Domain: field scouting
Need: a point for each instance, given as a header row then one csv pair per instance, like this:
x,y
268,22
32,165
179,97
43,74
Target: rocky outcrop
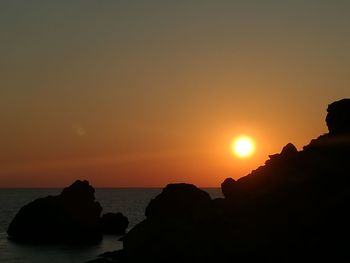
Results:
x,y
294,208
289,151
338,117
228,188
177,200
71,217
175,219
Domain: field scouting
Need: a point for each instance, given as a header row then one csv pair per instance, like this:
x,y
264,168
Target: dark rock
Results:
x,y
72,216
114,223
338,117
228,188
177,200
79,192
289,150
175,219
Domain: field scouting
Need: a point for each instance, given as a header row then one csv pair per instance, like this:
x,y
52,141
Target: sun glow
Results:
x,y
243,146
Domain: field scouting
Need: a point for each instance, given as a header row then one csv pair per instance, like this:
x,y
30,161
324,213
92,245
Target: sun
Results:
x,y
243,146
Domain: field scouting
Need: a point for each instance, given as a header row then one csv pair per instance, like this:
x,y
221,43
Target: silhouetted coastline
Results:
x,y
292,209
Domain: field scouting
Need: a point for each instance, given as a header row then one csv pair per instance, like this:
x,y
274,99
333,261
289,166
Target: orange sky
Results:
x,y
127,94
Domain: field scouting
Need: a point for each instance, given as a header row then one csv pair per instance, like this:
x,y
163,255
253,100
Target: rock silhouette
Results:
x,y
175,219
71,217
114,223
338,117
177,200
293,208
228,188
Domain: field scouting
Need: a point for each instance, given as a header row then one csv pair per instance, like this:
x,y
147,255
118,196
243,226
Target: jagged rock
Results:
x,y
114,223
338,117
72,216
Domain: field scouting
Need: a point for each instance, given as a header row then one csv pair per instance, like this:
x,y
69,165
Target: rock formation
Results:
x,y
71,217
177,200
175,219
114,223
228,188
294,208
338,117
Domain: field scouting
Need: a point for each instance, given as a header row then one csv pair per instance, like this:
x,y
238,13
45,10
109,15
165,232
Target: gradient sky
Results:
x,y
145,93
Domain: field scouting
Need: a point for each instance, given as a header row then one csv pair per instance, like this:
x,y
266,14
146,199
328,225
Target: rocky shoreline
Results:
x,y
292,209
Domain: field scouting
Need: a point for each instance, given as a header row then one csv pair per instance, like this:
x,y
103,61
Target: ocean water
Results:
x,y
131,202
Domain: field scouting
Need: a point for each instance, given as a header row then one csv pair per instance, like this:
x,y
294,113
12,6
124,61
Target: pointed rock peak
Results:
x,y
338,117
289,149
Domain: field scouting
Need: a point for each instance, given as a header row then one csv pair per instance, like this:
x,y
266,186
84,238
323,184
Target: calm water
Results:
x,y
131,202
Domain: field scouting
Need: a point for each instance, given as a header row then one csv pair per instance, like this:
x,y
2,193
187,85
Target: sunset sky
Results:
x,y
145,93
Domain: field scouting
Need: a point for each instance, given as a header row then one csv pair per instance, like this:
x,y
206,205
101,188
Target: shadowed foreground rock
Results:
x,y
71,217
295,208
114,223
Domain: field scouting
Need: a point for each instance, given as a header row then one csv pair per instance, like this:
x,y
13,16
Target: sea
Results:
x,y
131,202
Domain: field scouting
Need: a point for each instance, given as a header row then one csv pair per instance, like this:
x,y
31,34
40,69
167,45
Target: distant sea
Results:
x,y
131,202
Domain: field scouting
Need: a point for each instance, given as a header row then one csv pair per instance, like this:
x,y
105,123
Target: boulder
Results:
x,y
175,219
177,200
228,188
338,117
114,223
